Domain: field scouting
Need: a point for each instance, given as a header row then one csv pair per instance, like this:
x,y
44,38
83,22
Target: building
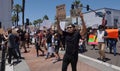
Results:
x,y
92,19
112,17
6,13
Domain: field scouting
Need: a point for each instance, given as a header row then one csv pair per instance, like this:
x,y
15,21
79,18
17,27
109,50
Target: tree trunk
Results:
x,y
17,19
23,10
15,22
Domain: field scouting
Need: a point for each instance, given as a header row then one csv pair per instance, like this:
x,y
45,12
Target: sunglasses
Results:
x,y
69,27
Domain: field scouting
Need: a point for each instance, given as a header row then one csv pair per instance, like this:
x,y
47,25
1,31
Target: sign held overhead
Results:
x,y
61,12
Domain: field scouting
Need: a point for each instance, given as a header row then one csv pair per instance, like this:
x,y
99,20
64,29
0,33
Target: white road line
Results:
x,y
100,62
9,68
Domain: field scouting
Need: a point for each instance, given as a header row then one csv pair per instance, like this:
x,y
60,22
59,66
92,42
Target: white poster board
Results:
x,y
62,25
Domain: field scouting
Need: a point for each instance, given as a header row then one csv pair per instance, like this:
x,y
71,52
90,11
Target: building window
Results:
x,y
115,22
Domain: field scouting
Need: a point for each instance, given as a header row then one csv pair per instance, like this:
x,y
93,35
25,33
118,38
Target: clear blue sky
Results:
x,y
36,9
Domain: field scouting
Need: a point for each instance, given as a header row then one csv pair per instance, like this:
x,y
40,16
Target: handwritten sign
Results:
x,y
61,12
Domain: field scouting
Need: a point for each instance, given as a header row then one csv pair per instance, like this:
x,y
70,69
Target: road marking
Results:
x,y
100,62
9,68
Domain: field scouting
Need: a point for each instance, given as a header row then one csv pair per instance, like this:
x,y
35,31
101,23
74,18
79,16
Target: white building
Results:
x,y
6,13
112,17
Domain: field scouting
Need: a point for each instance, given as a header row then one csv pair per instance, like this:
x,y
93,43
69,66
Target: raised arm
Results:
x,y
58,26
83,28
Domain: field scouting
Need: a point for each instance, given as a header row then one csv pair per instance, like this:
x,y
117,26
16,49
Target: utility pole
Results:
x,y
23,11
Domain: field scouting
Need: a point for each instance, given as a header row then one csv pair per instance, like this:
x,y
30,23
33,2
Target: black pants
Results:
x,y
11,52
37,49
70,59
18,51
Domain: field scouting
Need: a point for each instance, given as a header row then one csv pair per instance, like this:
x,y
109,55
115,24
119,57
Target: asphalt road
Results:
x,y
111,59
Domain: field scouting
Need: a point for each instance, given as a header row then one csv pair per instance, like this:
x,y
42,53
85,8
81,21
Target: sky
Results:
x,y
35,9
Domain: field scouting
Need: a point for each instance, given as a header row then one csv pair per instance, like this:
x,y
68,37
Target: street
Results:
x,y
34,63
41,64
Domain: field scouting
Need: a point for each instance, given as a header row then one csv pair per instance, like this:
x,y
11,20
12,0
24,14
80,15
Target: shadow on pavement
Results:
x,y
82,51
57,61
16,62
104,60
22,58
26,52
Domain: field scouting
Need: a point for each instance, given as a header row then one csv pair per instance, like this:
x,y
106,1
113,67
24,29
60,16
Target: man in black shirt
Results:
x,y
49,40
23,39
0,40
71,39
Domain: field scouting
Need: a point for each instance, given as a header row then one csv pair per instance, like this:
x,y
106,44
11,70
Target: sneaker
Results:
x,y
25,51
58,59
115,54
110,52
55,60
99,59
104,59
46,57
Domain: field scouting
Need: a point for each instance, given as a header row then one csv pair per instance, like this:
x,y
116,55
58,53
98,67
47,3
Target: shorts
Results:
x,y
56,49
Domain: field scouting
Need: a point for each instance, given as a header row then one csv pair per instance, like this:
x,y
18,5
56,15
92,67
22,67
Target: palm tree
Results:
x,y
17,9
35,22
14,20
77,2
39,21
23,10
45,17
30,23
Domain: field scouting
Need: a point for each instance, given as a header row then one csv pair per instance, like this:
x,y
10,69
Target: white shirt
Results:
x,y
100,35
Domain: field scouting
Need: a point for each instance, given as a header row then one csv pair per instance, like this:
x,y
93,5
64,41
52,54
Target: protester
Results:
x,y
49,41
82,46
57,46
113,40
11,46
37,44
17,43
101,35
71,39
95,38
23,40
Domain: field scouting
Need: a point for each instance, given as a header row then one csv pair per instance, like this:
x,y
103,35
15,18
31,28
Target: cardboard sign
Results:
x,y
75,12
112,33
61,12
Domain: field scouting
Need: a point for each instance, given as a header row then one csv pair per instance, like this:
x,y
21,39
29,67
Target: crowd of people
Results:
x,y
71,40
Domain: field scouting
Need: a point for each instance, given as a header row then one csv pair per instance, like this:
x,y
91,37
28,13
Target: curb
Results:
x,y
103,66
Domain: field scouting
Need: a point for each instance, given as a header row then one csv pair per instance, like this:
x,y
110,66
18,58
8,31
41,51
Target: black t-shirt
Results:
x,y
1,38
71,40
57,41
16,39
22,35
49,38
